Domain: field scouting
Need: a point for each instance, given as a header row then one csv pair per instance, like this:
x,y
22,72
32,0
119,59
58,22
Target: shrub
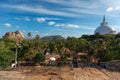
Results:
x,y
63,59
6,58
40,57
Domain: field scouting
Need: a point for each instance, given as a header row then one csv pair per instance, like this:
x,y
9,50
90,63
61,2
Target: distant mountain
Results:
x,y
51,38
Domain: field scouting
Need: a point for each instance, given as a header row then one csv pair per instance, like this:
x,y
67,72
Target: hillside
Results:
x,y
51,38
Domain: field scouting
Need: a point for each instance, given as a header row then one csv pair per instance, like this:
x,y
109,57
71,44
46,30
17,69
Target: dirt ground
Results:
x,y
58,73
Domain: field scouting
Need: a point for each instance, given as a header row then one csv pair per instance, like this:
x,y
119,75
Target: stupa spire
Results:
x,y
103,18
104,22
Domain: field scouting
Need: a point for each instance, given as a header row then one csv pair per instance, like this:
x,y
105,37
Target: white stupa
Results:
x,y
104,28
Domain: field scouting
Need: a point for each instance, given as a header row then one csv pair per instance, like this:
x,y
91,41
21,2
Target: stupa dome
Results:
x,y
104,28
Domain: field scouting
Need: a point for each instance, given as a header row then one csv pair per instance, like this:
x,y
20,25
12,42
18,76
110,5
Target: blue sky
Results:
x,y
57,17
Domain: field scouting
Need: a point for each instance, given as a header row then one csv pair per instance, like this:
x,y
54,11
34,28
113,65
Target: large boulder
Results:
x,y
17,35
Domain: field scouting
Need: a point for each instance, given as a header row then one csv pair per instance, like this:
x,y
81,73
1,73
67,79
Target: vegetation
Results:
x,y
64,56
39,57
106,47
6,52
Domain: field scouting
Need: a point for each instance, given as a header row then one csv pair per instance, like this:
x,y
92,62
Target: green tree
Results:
x,y
52,46
82,45
6,54
29,34
71,43
40,57
37,43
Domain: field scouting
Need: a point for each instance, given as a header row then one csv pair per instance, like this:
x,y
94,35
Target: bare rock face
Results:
x,y
17,35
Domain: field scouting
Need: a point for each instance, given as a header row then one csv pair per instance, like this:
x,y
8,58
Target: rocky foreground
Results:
x,y
59,73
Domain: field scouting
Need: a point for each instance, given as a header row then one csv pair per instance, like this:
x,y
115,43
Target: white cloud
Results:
x,y
67,25
109,9
83,11
40,19
59,25
22,18
71,26
7,25
73,8
112,3
74,26
117,8
51,23
97,7
78,6
47,18
43,19
75,3
41,10
27,18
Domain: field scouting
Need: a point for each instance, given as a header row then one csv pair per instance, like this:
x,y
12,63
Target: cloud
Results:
x,y
40,19
117,8
83,11
40,10
73,8
27,18
43,19
71,26
22,18
51,23
75,3
112,3
59,25
47,18
78,6
96,7
7,24
67,25
110,9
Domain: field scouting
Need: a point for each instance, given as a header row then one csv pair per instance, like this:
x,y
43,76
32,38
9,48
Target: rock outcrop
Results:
x,y
17,35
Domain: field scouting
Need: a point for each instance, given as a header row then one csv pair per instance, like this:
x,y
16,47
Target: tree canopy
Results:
x,y
106,47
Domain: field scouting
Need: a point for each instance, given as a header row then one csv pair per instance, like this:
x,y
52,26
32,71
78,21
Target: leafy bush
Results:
x,y
40,57
6,58
6,54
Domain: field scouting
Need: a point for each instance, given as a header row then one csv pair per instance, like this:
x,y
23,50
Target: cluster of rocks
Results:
x,y
17,35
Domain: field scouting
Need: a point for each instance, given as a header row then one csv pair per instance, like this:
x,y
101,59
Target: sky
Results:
x,y
72,18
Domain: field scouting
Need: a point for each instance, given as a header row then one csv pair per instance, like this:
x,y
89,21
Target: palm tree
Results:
x,y
29,34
